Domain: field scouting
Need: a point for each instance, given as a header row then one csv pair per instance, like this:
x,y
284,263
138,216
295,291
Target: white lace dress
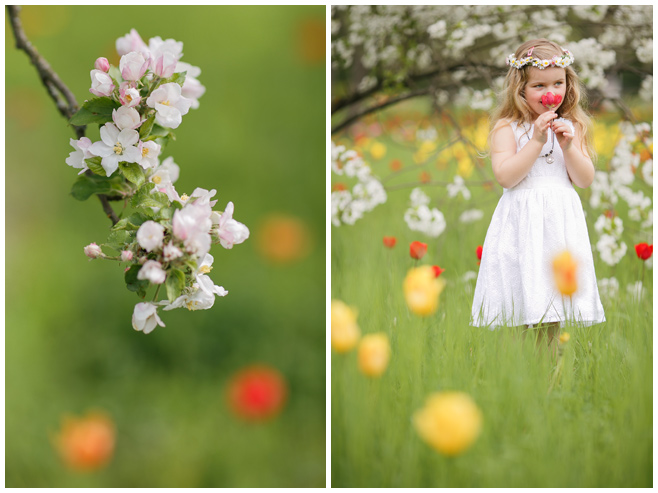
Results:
x,y
535,221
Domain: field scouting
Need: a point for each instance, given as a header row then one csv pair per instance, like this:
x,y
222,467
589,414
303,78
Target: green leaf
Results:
x,y
132,222
144,198
133,284
95,166
133,172
86,186
96,110
178,78
175,284
146,127
119,239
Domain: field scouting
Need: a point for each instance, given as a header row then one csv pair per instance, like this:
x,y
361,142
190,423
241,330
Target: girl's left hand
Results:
x,y
564,134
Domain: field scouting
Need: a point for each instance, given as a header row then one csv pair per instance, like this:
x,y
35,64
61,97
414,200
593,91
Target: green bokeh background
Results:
x,y
259,139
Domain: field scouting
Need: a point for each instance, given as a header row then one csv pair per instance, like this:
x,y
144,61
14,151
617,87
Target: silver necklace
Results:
x,y
550,159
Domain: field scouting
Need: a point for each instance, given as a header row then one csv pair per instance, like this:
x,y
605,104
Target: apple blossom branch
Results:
x,y
58,91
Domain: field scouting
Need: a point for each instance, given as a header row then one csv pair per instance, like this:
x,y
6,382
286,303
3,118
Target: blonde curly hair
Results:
x,y
514,107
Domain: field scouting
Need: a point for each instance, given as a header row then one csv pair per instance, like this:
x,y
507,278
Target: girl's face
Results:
x,y
551,79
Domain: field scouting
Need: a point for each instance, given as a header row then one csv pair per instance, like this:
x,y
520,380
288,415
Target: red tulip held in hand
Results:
x,y
437,270
643,250
390,241
550,100
417,250
478,252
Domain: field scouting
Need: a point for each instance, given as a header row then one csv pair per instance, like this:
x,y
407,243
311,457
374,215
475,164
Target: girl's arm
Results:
x,y
579,165
509,166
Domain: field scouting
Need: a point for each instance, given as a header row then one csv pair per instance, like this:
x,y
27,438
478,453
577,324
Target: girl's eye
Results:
x,y
558,83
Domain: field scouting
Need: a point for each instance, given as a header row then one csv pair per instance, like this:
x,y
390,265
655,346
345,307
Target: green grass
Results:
x,y
592,429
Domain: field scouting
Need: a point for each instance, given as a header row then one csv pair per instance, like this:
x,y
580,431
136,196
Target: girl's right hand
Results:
x,y
542,124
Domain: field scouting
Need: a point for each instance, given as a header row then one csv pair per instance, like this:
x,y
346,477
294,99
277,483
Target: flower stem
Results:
x,y
155,297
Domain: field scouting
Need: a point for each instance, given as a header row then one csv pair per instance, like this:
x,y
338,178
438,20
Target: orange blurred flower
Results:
x,y
313,40
338,187
564,269
374,354
395,165
282,238
86,443
390,241
438,270
450,422
425,177
345,332
257,393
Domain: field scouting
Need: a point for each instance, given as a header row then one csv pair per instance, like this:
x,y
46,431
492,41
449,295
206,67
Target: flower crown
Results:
x,y
557,61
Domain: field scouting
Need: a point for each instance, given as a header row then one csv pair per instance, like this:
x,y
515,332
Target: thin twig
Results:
x,y
58,91
348,121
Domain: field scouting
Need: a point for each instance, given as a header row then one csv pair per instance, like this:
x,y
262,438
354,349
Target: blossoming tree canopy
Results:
x,y
166,238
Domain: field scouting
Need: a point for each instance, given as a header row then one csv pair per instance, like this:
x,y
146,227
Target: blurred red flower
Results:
x,y
390,241
417,250
338,187
478,252
644,250
437,270
425,177
257,393
86,443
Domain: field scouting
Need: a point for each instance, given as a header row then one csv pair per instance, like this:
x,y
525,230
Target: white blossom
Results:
x,y
145,317
471,215
150,236
418,197
425,220
610,250
608,288
458,187
152,271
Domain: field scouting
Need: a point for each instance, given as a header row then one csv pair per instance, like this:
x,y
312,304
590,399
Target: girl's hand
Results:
x,y
542,124
564,134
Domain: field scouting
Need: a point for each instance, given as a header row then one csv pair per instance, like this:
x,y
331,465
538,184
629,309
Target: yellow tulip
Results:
x,y
564,337
374,354
422,289
345,332
450,422
564,268
377,150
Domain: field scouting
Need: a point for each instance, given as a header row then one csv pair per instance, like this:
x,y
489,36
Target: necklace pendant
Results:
x,y
550,159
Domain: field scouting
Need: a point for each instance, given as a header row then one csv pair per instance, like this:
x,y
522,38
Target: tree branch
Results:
x,y
348,121
58,91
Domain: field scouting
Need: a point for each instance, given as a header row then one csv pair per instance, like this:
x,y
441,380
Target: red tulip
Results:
x,y
478,252
550,100
390,241
437,270
257,393
643,250
417,250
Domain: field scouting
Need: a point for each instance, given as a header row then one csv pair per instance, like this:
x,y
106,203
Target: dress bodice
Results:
x,y
523,134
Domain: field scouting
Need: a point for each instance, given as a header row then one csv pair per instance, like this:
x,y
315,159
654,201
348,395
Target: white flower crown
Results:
x,y
557,61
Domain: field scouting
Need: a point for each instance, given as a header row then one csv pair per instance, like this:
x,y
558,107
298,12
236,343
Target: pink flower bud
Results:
x,y
126,256
102,64
93,251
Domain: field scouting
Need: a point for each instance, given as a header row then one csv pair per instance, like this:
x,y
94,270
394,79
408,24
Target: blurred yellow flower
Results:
x,y
374,354
422,289
564,268
464,162
450,422
564,337
345,332
377,150
427,147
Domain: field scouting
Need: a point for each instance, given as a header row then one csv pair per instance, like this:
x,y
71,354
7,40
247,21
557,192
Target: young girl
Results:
x,y
537,155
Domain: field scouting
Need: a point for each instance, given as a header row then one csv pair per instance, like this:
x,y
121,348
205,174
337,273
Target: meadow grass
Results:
x,y
583,422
